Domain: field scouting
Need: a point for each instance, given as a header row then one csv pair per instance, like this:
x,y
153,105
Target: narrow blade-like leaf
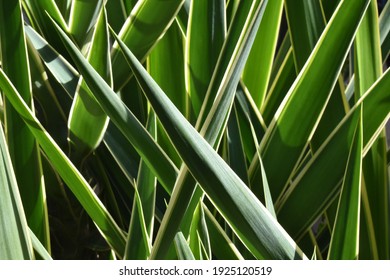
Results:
x,y
205,35
183,250
15,242
139,243
368,68
22,146
257,71
87,121
345,237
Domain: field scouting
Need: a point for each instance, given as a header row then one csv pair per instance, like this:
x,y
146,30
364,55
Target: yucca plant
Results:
x,y
203,129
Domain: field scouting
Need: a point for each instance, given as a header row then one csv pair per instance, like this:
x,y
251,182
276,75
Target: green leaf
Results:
x,y
250,121
183,250
122,151
345,236
235,148
62,71
165,65
237,44
64,7
205,35
83,17
267,194
284,78
141,231
22,146
384,30
368,68
221,245
14,239
375,202
305,27
290,130
306,24
257,71
87,121
146,24
183,15
38,247
199,240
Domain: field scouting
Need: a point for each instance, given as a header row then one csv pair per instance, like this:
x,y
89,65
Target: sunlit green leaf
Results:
x,y
22,146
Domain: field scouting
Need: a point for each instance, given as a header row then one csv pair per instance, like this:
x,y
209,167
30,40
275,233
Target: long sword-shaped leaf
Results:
x,y
143,28
345,237
258,68
305,27
291,129
247,216
250,120
139,236
165,65
199,241
384,33
222,246
306,24
235,156
15,242
368,68
71,176
282,82
87,121
243,19
22,146
205,34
